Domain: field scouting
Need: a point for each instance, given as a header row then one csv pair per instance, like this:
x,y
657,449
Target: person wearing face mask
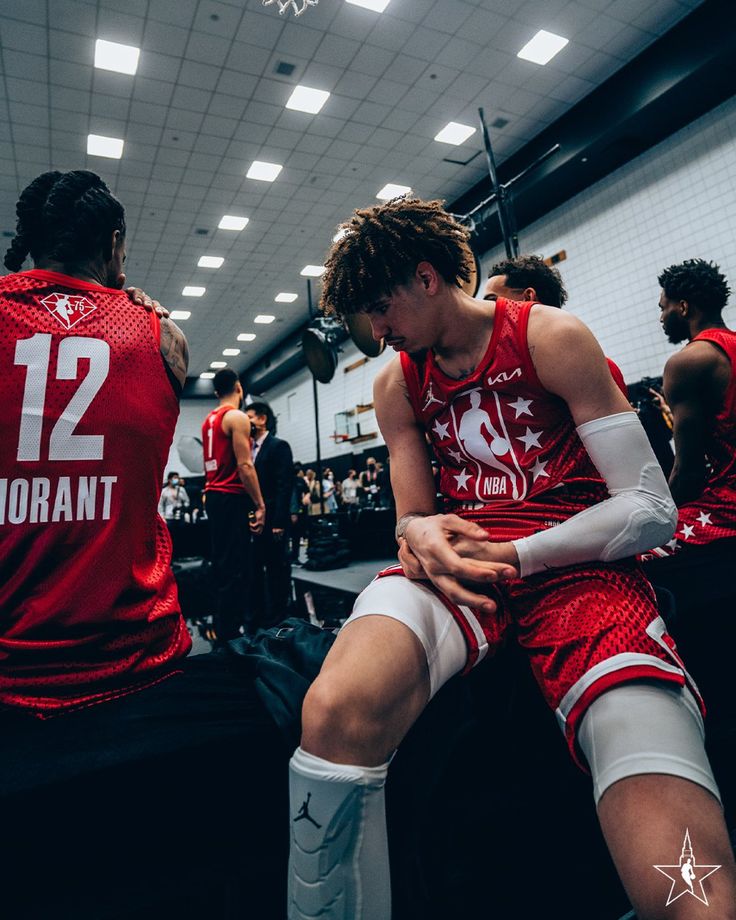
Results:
x,y
370,484
174,500
271,566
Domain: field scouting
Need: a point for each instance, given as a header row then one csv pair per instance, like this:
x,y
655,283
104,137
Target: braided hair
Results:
x,y
68,217
380,247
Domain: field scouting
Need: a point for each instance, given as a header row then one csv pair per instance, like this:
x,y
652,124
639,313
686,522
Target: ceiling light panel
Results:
x,y
264,318
210,262
208,375
231,352
312,271
113,56
99,146
180,314
265,172
454,133
246,336
285,297
307,99
230,222
216,365
543,47
390,191
192,290
378,6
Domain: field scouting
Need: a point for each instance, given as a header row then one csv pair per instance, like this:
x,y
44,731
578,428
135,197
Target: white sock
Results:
x,y
338,866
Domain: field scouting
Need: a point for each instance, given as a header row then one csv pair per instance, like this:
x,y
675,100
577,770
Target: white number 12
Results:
x,y
35,354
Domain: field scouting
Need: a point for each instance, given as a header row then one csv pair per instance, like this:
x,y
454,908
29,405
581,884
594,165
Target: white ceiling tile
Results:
x,y
179,13
72,17
22,35
29,11
372,60
336,50
426,44
218,18
24,90
355,84
210,49
159,67
164,38
206,101
391,33
203,76
119,26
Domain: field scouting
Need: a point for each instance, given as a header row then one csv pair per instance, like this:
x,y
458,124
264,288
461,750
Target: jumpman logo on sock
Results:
x,y
304,812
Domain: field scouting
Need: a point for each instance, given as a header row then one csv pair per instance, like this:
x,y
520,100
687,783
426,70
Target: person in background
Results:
x,y
271,587
328,491
350,486
235,505
528,277
314,491
174,500
299,512
370,485
696,565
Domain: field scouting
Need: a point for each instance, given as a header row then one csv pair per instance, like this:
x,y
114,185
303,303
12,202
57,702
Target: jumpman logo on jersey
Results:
x,y
304,812
68,309
430,398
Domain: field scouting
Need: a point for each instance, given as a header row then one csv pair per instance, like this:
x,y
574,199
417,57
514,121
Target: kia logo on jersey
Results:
x,y
68,309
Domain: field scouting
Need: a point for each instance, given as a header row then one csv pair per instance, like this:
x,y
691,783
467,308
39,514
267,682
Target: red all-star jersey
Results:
x,y
510,458
88,603
220,465
712,516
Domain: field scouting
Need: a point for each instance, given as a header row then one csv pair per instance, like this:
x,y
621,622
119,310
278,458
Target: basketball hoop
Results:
x,y
339,438
293,5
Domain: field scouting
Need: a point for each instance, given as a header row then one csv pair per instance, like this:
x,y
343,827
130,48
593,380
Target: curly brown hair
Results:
x,y
380,248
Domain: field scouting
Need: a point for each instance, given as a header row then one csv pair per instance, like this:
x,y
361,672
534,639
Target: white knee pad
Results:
x,y
644,728
338,865
417,607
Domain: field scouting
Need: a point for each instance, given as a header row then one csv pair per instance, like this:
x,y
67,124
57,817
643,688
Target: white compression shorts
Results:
x,y
631,729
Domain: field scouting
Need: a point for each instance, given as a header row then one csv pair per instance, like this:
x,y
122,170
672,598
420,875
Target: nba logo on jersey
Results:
x,y
68,309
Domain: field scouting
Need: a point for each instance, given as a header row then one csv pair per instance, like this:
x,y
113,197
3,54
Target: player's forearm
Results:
x,y
639,515
686,484
249,479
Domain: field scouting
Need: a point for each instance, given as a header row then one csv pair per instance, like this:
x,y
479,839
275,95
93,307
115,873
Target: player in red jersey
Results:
x,y
232,492
550,488
78,495
700,389
529,278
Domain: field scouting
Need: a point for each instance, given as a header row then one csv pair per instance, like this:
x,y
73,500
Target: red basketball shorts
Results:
x,y
586,629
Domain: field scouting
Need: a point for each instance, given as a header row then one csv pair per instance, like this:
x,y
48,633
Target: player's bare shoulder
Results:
x,y
390,384
174,349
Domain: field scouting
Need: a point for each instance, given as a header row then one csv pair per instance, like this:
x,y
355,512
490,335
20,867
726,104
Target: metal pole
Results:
x,y
316,416
509,240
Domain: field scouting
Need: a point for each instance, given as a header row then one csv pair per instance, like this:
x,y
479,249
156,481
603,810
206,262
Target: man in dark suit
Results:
x,y
272,568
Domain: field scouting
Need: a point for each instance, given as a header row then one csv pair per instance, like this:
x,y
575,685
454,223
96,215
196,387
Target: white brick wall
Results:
x,y
676,201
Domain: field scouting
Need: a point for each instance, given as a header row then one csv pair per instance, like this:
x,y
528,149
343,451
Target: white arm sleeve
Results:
x,y
639,515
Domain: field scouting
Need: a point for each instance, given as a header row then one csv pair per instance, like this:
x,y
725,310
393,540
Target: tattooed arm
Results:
x,y
174,349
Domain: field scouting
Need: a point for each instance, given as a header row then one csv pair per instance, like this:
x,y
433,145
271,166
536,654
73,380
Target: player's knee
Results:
x,y
335,718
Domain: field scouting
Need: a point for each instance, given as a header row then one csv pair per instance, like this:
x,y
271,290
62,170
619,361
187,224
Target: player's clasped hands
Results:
x,y
451,553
